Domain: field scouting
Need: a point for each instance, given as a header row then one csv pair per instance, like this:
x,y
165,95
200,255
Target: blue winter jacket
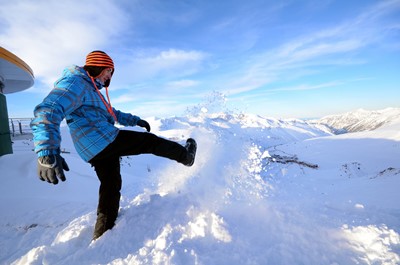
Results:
x,y
75,98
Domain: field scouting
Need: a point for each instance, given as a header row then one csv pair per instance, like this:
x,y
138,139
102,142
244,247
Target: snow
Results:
x,y
360,120
262,191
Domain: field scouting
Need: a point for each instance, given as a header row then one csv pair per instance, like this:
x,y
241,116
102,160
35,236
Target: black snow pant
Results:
x,y
107,167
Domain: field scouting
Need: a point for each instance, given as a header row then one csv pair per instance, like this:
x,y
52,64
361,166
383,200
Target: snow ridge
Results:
x,y
360,120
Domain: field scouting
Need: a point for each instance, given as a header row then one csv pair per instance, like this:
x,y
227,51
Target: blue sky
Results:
x,y
277,59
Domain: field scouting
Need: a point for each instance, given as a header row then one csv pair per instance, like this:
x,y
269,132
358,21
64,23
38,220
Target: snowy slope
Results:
x,y
360,120
262,191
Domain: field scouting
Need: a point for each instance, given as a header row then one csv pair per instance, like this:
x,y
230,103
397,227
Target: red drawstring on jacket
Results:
x,y
107,104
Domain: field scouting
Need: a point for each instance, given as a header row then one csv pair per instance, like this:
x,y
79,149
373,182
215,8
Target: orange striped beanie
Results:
x,y
99,58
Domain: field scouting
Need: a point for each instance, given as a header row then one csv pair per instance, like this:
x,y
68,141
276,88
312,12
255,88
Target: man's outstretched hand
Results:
x,y
52,167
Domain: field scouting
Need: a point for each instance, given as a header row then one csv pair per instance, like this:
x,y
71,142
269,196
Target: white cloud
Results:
x,y
172,60
123,99
149,108
329,46
182,84
308,87
50,35
144,65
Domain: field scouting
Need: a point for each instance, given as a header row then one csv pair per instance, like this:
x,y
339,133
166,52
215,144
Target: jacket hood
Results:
x,y
75,71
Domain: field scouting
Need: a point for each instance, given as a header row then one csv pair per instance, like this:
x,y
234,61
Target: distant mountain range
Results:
x,y
359,120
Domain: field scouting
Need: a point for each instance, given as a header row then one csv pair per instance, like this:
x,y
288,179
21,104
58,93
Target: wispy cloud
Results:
x,y
329,46
49,35
124,99
180,62
167,65
158,107
138,93
48,42
180,84
303,87
181,51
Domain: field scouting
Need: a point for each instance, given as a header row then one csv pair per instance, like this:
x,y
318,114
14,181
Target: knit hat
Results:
x,y
99,58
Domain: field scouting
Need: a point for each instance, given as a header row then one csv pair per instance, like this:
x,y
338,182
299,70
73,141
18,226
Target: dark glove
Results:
x,y
50,167
144,124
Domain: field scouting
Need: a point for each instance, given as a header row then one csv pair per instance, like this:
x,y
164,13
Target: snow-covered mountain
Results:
x,y
262,191
360,120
